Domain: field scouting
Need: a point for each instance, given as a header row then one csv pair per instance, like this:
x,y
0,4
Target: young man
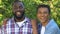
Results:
x,y
47,25
18,24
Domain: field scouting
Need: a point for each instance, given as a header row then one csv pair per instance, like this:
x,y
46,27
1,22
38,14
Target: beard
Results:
x,y
20,16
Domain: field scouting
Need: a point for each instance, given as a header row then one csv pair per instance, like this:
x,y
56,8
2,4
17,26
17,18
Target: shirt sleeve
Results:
x,y
2,31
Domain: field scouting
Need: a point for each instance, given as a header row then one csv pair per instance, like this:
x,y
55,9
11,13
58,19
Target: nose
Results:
x,y
42,14
18,9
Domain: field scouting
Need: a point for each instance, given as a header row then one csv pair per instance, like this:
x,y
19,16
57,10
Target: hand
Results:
x,y
34,26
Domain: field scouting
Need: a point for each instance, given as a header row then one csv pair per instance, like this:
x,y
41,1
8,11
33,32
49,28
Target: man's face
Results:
x,y
43,14
18,10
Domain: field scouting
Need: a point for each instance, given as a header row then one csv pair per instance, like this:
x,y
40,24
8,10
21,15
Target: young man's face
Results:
x,y
18,10
43,14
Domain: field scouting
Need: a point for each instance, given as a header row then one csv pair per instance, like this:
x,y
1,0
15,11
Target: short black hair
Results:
x,y
16,1
46,6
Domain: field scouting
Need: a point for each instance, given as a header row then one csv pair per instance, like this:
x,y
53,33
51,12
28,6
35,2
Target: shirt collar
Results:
x,y
27,20
48,25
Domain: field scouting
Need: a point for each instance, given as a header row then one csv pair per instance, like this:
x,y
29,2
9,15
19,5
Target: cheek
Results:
x,y
13,11
38,16
46,16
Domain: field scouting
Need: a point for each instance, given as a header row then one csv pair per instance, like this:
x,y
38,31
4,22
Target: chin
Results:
x,y
18,16
42,21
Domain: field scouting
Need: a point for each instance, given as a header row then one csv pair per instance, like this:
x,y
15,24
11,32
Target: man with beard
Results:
x,y
18,24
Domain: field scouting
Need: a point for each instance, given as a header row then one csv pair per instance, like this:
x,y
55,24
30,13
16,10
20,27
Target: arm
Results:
x,y
34,26
2,28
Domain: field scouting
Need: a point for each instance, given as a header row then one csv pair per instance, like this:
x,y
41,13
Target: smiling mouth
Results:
x,y
18,13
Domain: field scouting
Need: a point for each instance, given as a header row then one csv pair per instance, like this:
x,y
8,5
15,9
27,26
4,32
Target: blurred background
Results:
x,y
30,8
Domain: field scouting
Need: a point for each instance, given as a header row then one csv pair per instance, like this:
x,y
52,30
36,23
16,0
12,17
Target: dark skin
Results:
x,y
18,11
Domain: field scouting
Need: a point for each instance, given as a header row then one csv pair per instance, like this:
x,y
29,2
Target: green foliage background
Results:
x,y
30,8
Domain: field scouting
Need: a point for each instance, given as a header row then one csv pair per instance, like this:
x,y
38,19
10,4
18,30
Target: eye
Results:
x,y
39,12
45,12
20,6
15,7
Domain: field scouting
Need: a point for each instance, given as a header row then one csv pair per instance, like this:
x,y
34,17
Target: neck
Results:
x,y
45,23
19,20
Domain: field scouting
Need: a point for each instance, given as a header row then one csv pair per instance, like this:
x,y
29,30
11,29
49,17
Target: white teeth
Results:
x,y
18,12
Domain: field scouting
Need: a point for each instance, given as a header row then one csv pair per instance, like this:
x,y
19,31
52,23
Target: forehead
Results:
x,y
18,4
43,9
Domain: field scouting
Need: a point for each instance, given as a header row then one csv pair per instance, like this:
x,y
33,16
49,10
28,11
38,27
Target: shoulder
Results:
x,y
52,26
6,21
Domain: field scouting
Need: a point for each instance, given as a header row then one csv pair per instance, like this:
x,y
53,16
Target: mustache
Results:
x,y
19,11
18,17
22,13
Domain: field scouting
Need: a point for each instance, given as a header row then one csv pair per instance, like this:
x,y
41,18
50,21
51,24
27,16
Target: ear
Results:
x,y
34,26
